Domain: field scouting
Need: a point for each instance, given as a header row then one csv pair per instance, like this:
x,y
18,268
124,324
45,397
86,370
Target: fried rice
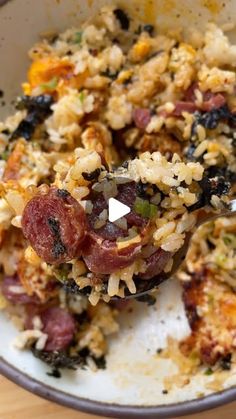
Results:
x,y
116,109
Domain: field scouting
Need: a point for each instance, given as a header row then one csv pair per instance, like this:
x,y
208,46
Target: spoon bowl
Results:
x,y
203,216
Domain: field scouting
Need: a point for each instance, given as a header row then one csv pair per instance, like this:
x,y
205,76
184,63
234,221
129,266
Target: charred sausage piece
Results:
x,y
156,263
141,117
60,327
55,225
13,291
104,257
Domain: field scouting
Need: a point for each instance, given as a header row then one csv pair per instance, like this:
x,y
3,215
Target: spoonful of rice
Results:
x,y
178,259
129,256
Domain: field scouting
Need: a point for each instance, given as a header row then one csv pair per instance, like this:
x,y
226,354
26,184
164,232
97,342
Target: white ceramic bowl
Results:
x,y
132,383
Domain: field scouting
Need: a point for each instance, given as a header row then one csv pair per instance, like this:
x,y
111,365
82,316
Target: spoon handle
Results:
x,y
232,208
228,211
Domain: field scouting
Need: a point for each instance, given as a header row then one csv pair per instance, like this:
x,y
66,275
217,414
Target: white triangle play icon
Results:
x,y
117,210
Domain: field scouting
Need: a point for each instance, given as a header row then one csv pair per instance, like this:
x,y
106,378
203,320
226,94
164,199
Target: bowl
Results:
x,y
132,384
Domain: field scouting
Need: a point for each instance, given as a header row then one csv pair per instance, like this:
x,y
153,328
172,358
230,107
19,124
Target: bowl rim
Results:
x,y
111,409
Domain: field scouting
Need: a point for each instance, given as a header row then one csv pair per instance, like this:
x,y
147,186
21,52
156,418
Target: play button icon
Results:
x,y
116,210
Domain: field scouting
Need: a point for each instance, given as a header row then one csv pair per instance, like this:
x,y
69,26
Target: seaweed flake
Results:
x,y
100,362
125,164
109,74
71,287
58,359
122,17
63,193
149,29
58,246
211,186
5,131
214,186
39,108
190,152
225,362
92,175
54,373
141,189
211,119
54,226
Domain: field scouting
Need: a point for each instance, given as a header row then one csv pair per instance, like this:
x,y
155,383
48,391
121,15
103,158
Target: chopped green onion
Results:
x,y
209,371
210,300
144,208
220,260
51,85
62,272
5,155
230,240
81,97
78,37
153,211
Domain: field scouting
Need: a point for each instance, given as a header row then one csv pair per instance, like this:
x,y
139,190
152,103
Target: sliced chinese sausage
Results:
x,y
60,327
55,225
14,292
127,194
156,263
100,251
141,117
104,257
181,107
213,101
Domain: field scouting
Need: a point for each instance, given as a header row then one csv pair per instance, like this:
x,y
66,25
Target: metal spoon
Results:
x,y
145,286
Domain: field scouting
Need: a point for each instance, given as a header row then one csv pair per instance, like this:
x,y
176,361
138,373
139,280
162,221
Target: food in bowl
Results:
x,y
110,110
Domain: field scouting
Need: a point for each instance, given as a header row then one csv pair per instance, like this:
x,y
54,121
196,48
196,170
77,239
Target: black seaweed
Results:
x,y
109,74
214,171
147,298
71,287
54,373
141,189
91,176
41,103
211,186
214,186
123,19
39,108
58,359
125,165
6,131
149,29
54,225
100,362
63,193
145,28
58,246
225,362
190,152
210,120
